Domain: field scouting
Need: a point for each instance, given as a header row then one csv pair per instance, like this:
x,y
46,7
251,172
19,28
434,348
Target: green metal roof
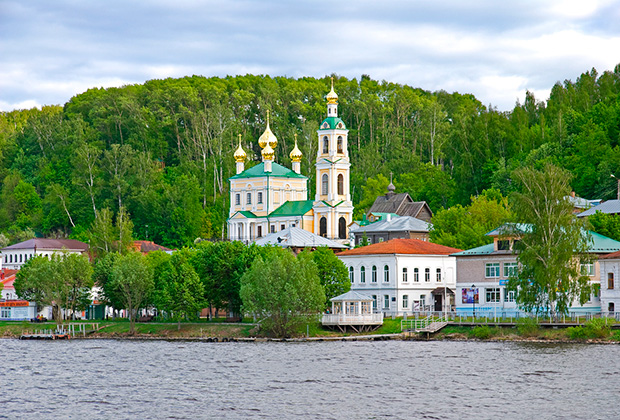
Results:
x,y
481,250
330,123
383,216
245,213
602,244
293,208
276,170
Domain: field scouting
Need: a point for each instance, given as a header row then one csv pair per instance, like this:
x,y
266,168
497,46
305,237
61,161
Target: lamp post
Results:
x,y
473,299
614,177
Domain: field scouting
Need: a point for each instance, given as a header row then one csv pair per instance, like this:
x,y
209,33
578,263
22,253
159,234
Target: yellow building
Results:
x,y
269,197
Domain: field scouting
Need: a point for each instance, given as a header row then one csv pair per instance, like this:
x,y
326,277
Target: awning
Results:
x,y
442,291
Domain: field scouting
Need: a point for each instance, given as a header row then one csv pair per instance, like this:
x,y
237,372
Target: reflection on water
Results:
x,y
323,380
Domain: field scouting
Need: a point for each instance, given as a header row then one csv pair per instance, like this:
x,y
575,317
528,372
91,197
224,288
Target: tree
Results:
x,y
284,292
132,282
553,243
76,272
105,237
606,224
102,277
333,274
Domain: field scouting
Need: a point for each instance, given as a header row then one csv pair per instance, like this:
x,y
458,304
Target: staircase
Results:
x,y
425,325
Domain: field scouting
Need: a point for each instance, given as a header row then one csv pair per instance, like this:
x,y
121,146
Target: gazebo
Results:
x,y
352,310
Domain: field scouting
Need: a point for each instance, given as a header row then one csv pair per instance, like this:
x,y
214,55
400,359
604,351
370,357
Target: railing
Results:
x,y
345,319
421,324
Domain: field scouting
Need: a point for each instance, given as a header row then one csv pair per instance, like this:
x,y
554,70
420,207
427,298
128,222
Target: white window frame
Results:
x,y
492,294
405,278
491,270
386,274
510,269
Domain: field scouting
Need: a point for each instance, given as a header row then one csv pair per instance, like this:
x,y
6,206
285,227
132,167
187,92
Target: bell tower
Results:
x,y
333,208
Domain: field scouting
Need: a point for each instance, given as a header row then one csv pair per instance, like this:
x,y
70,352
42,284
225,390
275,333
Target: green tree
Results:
x,y
553,243
76,272
102,277
284,292
132,282
333,274
605,224
184,289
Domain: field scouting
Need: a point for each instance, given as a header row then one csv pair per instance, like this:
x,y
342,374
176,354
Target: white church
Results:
x,y
269,197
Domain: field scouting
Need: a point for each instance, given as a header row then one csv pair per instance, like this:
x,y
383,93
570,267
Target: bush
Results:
x,y
599,327
527,327
576,333
482,332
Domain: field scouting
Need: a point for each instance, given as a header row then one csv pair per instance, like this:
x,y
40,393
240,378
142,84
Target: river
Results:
x,y
105,379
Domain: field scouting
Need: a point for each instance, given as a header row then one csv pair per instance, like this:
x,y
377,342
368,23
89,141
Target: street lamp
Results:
x,y
473,299
613,176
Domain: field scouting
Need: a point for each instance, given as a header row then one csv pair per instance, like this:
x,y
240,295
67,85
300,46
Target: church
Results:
x,y
269,197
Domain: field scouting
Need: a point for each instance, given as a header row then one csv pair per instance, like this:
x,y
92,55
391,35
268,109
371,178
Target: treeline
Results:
x,y
163,149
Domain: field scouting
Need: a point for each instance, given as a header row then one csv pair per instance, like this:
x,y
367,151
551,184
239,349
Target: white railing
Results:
x,y
344,319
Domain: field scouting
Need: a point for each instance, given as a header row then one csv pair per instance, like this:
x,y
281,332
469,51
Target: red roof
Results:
x,y
402,246
7,278
612,255
148,246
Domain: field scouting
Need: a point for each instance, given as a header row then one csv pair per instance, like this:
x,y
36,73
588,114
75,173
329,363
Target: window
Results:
x,y
259,231
587,269
340,184
386,274
509,295
324,184
422,301
249,198
416,275
20,257
386,301
11,258
405,301
405,275
380,239
610,280
282,227
351,275
374,274
342,228
427,274
259,198
273,228
363,274
325,145
438,275
510,269
503,245
323,227
516,245
492,294
611,308
340,149
237,199
492,270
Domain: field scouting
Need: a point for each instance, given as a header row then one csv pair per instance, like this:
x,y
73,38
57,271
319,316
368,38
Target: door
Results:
x,y
438,303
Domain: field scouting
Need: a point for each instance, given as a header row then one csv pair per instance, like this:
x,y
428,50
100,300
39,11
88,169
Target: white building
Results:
x,y
15,256
403,275
610,289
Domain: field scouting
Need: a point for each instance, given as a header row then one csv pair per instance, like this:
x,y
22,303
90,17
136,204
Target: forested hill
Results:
x,y
163,150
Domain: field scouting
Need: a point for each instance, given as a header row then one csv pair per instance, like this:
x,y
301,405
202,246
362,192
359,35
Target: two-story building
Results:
x,y
15,256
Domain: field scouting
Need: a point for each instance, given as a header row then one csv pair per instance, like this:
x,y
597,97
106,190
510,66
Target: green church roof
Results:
x,y
276,170
293,208
331,123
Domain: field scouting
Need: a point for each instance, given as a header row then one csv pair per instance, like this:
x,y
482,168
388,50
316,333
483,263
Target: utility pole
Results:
x,y
614,177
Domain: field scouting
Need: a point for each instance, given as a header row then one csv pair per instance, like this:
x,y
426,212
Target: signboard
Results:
x,y
416,305
503,282
470,295
15,303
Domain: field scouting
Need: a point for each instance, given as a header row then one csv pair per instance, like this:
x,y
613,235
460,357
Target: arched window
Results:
x,y
386,274
351,275
323,226
427,274
438,276
10,258
342,228
405,279
249,198
340,184
416,275
325,145
610,280
324,184
374,273
363,274
340,142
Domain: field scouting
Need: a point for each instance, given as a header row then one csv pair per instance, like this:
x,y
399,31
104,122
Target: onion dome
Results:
x,y
391,188
267,137
296,153
267,152
332,97
240,153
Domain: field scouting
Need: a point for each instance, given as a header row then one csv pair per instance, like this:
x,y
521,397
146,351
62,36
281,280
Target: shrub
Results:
x,y
482,332
599,327
527,327
576,333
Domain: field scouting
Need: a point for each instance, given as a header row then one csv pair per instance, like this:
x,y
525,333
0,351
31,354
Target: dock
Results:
x,y
46,335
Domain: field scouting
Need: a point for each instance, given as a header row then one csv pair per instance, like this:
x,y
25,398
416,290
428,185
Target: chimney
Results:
x,y
389,217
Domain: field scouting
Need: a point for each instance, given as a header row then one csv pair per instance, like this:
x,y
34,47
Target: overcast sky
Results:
x,y
495,49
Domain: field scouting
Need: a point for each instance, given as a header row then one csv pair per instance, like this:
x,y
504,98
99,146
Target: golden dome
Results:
x,y
267,152
296,153
267,137
332,97
240,153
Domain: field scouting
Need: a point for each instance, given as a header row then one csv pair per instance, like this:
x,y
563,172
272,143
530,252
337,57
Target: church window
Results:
x,y
325,145
340,141
273,228
342,228
340,184
351,274
237,199
249,198
374,274
323,226
363,274
259,231
324,184
386,274
259,198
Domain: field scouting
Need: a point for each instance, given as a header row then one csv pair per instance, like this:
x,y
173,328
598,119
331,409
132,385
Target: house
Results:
x,y
405,227
401,204
581,204
403,275
610,289
7,278
269,197
11,307
15,256
298,239
483,273
609,207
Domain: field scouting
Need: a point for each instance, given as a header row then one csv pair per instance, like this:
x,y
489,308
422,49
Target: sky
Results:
x,y
51,51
